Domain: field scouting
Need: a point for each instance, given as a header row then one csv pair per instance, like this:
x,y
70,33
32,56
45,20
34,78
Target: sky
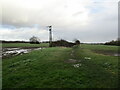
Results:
x,y
85,20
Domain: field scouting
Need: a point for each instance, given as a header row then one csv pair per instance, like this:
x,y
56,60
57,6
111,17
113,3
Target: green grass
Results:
x,y
24,45
101,70
47,68
101,47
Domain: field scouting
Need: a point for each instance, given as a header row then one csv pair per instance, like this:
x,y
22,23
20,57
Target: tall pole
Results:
x,y
50,36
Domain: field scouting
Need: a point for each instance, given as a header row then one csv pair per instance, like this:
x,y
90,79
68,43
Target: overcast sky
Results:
x,y
86,20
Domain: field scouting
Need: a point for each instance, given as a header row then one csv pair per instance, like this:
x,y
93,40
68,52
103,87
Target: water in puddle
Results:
x,y
108,53
16,51
117,54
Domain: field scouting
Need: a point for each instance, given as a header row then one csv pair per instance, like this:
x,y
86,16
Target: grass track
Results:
x,y
48,69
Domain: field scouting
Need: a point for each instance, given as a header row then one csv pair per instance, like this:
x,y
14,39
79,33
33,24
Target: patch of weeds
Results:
x,y
25,62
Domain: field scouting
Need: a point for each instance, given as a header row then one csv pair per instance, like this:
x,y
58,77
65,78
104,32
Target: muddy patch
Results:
x,y
109,53
9,52
72,61
75,63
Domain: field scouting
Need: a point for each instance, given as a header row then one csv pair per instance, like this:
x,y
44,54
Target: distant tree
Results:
x,y
113,42
34,40
62,42
77,42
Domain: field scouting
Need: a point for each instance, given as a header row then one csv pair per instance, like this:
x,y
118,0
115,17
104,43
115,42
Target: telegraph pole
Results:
x,y
50,36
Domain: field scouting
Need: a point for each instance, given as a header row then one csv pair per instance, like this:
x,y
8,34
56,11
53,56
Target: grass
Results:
x,y
47,68
24,45
101,47
101,70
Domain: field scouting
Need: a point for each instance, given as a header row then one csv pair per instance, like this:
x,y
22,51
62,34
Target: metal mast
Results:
x,y
50,36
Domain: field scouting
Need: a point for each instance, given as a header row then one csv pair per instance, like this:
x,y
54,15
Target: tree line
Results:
x,y
113,42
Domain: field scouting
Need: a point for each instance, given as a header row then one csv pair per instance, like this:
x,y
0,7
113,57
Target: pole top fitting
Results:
x,y
49,26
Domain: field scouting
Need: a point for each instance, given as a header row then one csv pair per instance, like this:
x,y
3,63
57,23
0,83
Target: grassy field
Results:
x,y
56,68
24,45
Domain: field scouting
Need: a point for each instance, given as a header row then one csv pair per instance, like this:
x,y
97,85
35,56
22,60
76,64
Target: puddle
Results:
x,y
72,61
117,54
9,49
8,52
110,53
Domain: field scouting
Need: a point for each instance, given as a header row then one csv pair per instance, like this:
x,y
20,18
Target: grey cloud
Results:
x,y
68,21
78,13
